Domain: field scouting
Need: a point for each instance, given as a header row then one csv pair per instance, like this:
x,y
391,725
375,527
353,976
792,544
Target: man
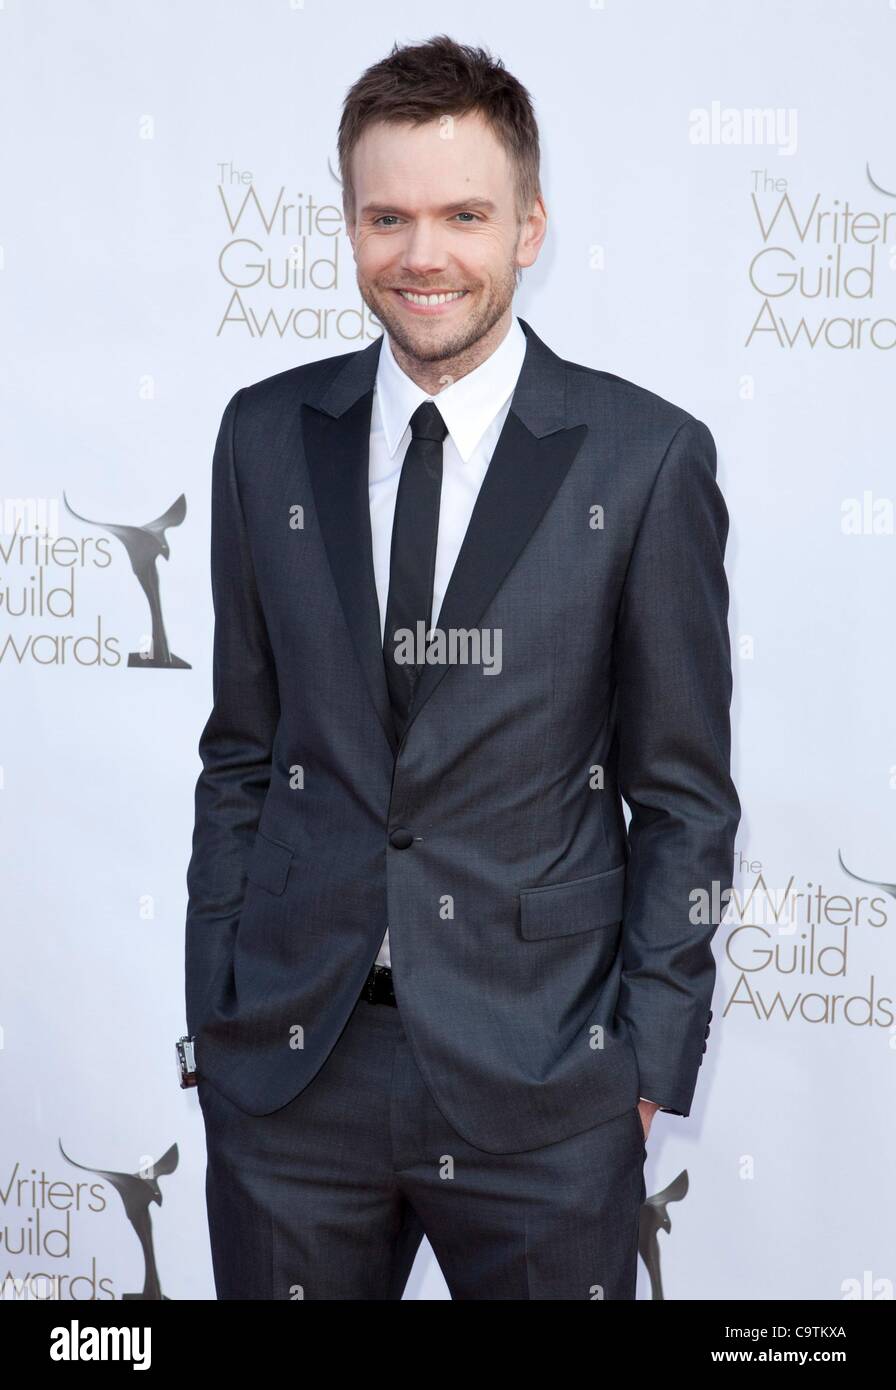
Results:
x,y
468,596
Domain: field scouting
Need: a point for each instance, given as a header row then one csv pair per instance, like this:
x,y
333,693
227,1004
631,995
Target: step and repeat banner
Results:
x,y
721,187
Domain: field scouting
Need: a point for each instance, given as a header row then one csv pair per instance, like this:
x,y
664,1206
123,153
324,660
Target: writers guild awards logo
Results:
x,y
144,544
137,1191
655,1218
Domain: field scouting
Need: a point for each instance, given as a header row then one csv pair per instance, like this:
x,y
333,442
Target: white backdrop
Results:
x,y
131,133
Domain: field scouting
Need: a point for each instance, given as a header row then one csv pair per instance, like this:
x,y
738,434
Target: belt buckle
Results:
x,y
378,988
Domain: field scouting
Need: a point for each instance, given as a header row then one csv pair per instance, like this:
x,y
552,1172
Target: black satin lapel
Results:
x,y
522,478
338,453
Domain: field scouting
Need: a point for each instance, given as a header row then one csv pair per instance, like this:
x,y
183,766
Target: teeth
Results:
x,y
430,298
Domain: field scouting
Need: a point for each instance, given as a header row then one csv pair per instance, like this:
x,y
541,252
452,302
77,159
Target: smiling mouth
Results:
x,y
430,299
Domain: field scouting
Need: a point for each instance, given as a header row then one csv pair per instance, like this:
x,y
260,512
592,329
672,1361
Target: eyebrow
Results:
x,y
465,205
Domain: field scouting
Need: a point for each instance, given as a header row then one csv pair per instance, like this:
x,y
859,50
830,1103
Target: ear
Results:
x,y
532,234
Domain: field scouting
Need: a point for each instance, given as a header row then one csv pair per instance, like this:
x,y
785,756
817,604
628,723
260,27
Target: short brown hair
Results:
x,y
425,81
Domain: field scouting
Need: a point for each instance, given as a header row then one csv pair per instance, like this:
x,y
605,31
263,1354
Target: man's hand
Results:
x,y
647,1109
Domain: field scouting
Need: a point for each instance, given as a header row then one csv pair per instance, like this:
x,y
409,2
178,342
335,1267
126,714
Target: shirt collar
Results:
x,y
468,406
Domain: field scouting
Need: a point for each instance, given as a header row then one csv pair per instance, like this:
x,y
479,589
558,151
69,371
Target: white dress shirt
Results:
x,y
474,410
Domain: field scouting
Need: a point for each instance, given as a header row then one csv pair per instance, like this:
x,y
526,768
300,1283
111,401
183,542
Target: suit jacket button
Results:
x,y
401,838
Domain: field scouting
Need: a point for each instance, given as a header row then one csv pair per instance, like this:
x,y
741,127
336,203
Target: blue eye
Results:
x,y
393,218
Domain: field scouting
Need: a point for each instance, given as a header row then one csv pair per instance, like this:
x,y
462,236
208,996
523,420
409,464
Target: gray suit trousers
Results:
x,y
329,1196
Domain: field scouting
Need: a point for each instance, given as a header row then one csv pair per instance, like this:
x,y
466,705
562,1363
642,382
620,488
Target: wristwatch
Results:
x,y
186,1062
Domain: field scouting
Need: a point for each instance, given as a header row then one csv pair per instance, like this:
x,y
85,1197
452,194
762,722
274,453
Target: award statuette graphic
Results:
x,y
144,545
136,1192
888,888
879,186
655,1218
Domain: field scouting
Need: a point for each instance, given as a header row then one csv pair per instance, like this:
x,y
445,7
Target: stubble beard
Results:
x,y
459,341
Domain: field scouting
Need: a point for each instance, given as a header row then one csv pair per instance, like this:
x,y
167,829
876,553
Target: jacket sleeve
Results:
x,y
674,684
235,746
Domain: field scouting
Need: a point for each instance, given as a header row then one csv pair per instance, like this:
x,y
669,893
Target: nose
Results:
x,y
424,249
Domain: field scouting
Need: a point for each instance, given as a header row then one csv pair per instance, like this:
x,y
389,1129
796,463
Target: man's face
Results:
x,y
435,211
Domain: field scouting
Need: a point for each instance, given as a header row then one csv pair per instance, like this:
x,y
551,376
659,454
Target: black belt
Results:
x,y
378,986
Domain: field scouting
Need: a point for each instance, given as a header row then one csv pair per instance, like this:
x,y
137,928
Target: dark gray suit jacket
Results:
x,y
550,965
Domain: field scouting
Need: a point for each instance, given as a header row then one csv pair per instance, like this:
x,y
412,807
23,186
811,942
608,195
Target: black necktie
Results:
x,y
415,531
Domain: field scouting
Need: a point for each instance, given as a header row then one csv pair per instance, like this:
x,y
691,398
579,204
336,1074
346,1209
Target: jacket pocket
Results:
x,y
268,864
583,904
